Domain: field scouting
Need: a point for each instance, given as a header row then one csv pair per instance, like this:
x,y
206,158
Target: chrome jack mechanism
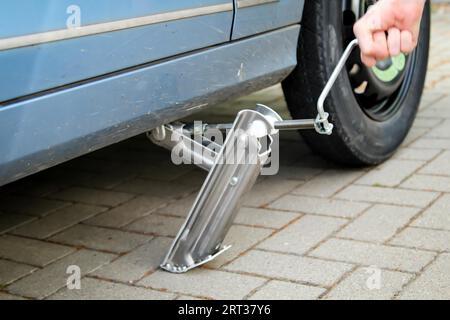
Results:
x,y
232,173
233,167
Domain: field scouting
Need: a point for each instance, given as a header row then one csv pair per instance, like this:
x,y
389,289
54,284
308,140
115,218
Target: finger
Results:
x,y
381,45
369,61
407,43
394,42
365,38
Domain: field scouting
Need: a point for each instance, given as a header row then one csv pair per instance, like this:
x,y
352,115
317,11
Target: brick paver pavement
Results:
x,y
315,231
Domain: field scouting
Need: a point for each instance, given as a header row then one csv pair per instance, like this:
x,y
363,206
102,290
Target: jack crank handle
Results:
x,y
322,124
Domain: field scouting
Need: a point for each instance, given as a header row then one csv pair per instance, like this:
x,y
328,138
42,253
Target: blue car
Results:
x,y
79,75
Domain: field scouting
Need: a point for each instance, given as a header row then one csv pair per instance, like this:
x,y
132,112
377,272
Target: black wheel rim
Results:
x,y
379,91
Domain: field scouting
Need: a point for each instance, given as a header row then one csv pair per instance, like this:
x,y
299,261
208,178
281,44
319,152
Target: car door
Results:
x,y
258,16
46,44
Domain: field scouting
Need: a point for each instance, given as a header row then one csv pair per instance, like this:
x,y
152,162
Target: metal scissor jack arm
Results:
x,y
233,170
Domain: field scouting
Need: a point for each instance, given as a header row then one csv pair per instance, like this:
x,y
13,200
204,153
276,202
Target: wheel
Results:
x,y
372,109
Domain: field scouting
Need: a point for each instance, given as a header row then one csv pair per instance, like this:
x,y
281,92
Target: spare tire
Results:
x,y
372,109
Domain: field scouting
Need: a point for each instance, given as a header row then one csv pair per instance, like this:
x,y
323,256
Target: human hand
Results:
x,y
388,28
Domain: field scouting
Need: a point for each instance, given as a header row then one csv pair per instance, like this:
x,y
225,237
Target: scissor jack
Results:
x,y
233,169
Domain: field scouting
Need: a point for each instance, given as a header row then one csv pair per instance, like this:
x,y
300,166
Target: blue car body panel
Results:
x,y
270,15
21,17
31,69
56,109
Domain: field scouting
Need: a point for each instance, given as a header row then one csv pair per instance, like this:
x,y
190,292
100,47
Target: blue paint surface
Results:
x,y
32,69
270,16
21,17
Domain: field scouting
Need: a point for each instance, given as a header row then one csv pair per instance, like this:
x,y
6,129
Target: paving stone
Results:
x,y
427,183
292,154
94,289
156,224
269,190
417,154
331,207
63,177
6,296
46,281
428,143
298,172
414,134
11,221
33,252
36,188
427,122
136,264
440,131
187,298
11,271
359,285
291,268
328,183
423,239
438,109
30,206
127,212
443,85
437,216
433,283
194,178
429,98
108,180
303,234
312,160
439,166
100,238
367,254
282,290
390,174
179,207
58,221
265,218
241,239
379,223
167,172
155,188
204,283
388,196
93,196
